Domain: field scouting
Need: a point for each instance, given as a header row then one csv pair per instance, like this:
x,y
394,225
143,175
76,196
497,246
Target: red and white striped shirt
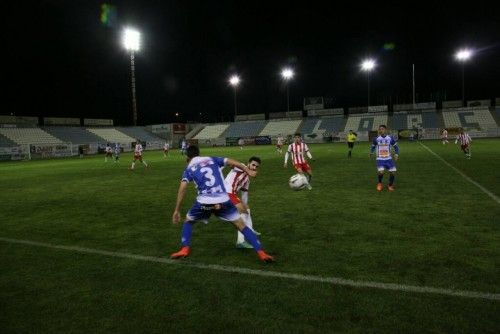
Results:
x,y
464,139
138,149
237,180
297,151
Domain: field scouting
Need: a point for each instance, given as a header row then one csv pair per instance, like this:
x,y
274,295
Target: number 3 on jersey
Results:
x,y
208,174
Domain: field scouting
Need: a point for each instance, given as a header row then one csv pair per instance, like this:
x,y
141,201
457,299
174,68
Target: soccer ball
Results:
x,y
298,182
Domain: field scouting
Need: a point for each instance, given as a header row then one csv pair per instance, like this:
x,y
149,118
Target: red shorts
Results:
x,y
137,157
109,154
303,166
279,145
464,146
234,198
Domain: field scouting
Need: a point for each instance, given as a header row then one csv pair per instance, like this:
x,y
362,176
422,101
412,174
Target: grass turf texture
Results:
x,y
435,230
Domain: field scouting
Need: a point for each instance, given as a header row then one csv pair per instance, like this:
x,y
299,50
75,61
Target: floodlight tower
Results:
x,y
131,41
234,81
287,75
462,56
367,66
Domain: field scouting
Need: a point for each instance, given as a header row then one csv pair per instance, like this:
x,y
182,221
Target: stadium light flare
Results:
x,y
287,73
463,55
131,39
368,65
234,80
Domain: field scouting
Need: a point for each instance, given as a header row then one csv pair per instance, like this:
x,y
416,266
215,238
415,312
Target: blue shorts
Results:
x,y
386,164
201,212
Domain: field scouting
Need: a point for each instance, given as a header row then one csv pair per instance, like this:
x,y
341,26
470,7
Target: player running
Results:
x,y
117,152
166,148
138,155
109,152
206,173
465,142
279,144
351,138
297,150
237,181
444,136
382,143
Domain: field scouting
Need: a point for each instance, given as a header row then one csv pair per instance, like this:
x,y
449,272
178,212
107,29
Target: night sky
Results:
x,y
62,61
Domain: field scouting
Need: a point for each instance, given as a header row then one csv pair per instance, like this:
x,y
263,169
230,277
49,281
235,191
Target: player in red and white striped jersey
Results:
x,y
465,142
237,181
297,150
138,155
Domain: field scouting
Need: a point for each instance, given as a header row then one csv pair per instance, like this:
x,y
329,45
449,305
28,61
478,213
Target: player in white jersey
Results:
x,y
166,148
279,144
241,143
382,143
297,150
465,142
138,155
237,181
117,152
206,173
444,136
108,152
184,146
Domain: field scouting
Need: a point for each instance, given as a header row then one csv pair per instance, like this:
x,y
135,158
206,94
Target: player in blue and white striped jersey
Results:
x,y
206,174
382,144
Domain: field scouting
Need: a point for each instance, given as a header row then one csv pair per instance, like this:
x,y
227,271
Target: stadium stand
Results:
x,y
139,133
211,131
365,122
23,136
245,129
75,135
323,125
112,135
6,142
496,114
274,128
399,121
478,118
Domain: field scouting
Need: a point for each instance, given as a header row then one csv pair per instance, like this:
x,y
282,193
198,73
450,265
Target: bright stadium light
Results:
x,y
367,66
132,42
131,39
287,75
234,81
463,56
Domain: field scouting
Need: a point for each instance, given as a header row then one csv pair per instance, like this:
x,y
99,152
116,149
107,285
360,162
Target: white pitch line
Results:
x,y
483,189
265,273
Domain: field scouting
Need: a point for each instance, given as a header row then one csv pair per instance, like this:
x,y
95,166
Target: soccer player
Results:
x,y
138,155
444,136
108,151
297,149
166,148
465,141
382,143
184,146
237,181
117,152
241,142
351,138
212,198
279,144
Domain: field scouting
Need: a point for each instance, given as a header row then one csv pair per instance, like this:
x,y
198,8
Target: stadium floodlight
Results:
x,y
463,56
287,74
234,81
131,39
367,66
132,42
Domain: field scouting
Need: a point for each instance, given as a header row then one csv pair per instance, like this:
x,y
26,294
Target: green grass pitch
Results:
x,y
435,230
